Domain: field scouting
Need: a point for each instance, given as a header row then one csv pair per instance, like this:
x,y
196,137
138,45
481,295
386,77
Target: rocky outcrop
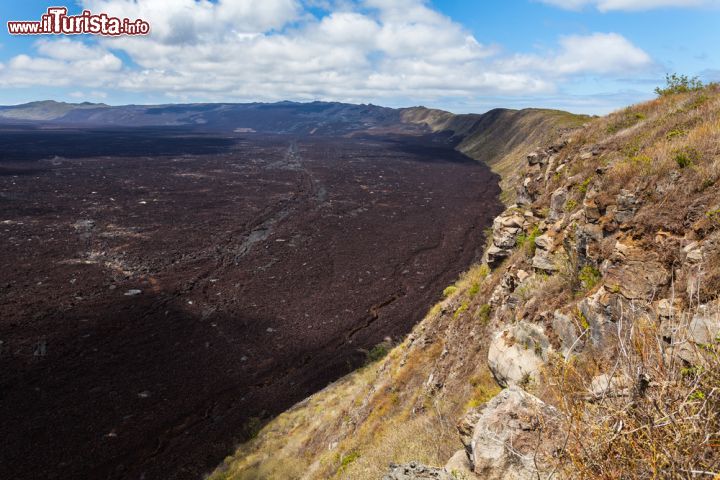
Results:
x,y
506,228
513,437
517,353
544,258
416,471
636,273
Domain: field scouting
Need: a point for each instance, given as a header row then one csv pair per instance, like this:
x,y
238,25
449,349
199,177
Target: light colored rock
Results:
x,y
522,275
627,205
544,242
558,200
515,437
514,220
543,260
495,255
694,252
517,353
460,468
597,318
705,325
506,237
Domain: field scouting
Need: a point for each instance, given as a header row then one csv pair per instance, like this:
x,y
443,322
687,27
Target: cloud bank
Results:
x,y
385,51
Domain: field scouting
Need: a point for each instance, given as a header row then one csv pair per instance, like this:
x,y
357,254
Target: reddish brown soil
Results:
x,y
265,269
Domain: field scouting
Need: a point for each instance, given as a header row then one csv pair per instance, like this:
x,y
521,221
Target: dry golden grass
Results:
x,y
666,424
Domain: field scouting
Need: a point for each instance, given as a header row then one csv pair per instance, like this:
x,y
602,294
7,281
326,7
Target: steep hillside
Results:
x,y
500,137
596,310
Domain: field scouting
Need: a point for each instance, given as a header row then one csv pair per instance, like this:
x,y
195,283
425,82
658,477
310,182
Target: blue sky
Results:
x,y
589,56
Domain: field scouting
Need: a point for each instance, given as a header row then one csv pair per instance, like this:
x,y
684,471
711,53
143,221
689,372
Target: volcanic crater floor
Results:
x,y
154,308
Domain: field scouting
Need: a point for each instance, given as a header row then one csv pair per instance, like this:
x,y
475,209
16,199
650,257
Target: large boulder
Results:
x,y
515,437
517,353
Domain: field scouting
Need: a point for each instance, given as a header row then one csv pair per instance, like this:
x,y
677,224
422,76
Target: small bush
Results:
x,y
675,84
474,289
528,241
378,352
589,277
347,460
483,313
462,308
449,291
686,157
675,133
583,188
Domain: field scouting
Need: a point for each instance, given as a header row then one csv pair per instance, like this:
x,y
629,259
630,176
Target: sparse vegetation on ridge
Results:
x,y
661,417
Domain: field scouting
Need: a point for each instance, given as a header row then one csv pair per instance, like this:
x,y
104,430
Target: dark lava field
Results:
x,y
163,291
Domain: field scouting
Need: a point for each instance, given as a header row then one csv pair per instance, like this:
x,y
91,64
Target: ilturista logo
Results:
x,y
56,21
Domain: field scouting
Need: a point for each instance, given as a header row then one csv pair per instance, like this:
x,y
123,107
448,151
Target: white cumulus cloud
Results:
x,y
384,51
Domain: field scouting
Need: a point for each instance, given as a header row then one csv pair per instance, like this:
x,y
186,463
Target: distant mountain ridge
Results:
x,y
281,117
497,134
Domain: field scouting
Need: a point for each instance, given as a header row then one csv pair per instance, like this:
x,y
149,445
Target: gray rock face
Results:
x,y
566,330
516,353
514,437
415,471
627,205
705,325
557,204
597,317
637,273
506,238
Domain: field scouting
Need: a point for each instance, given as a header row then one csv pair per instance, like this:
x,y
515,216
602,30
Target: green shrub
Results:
x,y
378,352
462,308
449,291
528,241
589,277
348,459
675,83
686,157
474,289
675,133
583,188
483,313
